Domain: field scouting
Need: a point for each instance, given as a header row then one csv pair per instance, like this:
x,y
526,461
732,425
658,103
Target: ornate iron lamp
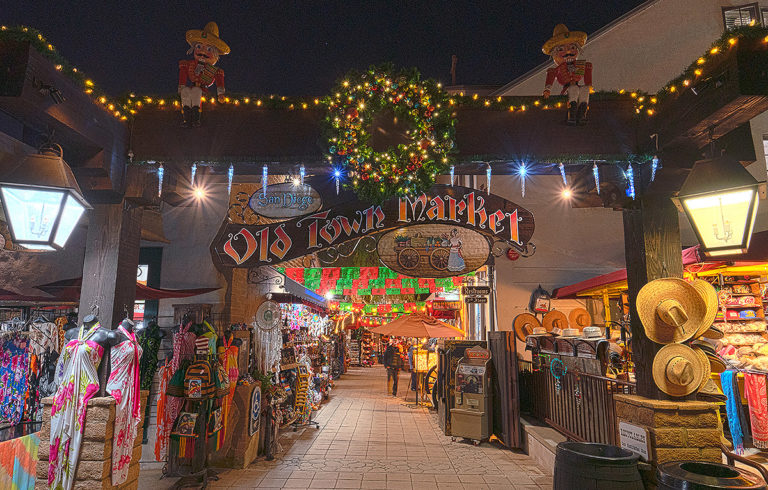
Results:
x,y
720,197
42,200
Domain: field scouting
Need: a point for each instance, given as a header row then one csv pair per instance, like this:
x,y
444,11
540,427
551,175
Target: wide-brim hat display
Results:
x,y
705,367
713,333
592,332
561,35
580,318
208,35
524,325
671,310
708,293
677,370
711,392
555,322
571,332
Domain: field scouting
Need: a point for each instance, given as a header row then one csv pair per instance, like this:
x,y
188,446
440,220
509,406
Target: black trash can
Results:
x,y
586,466
701,475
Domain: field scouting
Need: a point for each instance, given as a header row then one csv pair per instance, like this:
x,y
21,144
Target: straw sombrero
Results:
x,y
209,35
677,370
671,310
705,367
580,318
713,333
561,35
524,325
711,392
555,322
708,293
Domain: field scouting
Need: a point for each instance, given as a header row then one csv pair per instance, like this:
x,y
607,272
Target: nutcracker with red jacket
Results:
x,y
200,73
573,74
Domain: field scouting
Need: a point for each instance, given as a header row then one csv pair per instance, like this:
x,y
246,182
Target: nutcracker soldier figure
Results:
x,y
574,75
199,73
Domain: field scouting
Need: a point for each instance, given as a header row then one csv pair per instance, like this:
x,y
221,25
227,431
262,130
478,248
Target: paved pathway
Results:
x,y
370,440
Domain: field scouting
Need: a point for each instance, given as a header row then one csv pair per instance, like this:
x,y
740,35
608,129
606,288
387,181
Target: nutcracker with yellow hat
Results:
x,y
573,74
199,73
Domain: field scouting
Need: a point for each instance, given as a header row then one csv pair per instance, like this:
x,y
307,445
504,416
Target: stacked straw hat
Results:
x,y
674,311
526,324
555,322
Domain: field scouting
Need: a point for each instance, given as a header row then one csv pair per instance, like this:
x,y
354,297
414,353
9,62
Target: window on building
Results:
x,y
743,15
765,16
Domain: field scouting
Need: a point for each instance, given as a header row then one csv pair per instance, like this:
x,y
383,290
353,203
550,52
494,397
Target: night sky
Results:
x,y
301,48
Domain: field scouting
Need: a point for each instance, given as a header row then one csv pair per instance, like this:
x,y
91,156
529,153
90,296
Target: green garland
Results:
x,y
408,168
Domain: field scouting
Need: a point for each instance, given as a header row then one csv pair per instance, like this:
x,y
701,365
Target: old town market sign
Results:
x,y
452,207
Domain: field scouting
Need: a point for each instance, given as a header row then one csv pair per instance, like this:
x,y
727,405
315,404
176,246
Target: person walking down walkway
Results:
x,y
393,362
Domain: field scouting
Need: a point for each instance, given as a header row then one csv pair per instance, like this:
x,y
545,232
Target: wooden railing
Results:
x,y
582,408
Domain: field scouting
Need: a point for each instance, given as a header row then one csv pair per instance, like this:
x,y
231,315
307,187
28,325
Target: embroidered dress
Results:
x,y
228,359
78,382
183,347
123,385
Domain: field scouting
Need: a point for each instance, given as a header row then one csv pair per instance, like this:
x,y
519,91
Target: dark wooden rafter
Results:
x,y
94,141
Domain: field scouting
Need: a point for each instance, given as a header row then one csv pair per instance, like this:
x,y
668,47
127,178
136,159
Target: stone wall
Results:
x,y
687,430
94,466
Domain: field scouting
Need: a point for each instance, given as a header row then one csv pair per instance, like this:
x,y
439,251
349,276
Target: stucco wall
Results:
x,y
647,49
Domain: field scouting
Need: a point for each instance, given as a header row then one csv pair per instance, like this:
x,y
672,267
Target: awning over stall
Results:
x,y
69,290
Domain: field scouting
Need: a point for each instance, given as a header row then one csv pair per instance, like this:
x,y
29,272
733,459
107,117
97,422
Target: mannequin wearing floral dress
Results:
x,y
78,382
123,386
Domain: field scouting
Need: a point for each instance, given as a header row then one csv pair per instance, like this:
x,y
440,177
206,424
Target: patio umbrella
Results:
x,y
418,325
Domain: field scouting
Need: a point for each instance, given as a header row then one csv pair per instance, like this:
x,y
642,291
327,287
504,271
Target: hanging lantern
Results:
x,y
596,174
720,198
192,175
230,176
42,200
562,174
522,172
160,172
302,173
488,178
453,171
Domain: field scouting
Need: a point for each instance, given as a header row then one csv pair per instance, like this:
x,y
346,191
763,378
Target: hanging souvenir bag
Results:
x,y
198,381
221,379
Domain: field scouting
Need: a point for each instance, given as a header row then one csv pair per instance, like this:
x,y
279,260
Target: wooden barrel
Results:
x,y
701,475
586,466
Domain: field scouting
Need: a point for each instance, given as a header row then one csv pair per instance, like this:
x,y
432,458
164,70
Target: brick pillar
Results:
x,y
94,466
682,430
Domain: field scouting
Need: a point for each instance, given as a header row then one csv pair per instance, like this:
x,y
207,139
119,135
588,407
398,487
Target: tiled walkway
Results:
x,y
370,440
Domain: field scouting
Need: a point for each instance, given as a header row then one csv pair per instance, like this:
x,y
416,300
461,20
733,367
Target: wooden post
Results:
x,y
652,250
109,268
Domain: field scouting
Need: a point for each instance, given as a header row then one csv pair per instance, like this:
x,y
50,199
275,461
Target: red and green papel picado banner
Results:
x,y
362,281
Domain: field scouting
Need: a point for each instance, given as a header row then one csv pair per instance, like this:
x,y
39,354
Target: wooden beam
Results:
x,y
652,251
94,141
732,90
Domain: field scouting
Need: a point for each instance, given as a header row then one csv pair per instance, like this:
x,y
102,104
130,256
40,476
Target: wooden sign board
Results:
x,y
240,244
475,290
285,200
475,299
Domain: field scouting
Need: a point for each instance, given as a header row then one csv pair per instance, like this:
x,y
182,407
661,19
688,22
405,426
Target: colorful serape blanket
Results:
x,y
18,460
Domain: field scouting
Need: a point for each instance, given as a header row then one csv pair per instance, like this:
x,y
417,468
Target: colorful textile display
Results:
x,y
727,380
149,340
228,358
78,382
123,386
18,462
183,347
14,364
757,398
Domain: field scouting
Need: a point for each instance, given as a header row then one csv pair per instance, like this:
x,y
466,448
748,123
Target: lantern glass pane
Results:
x,y
69,219
32,212
721,218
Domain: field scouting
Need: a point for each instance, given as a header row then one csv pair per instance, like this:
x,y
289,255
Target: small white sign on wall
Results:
x,y
634,438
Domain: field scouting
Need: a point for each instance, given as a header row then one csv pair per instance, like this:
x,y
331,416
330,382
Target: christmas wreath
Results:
x,y
397,171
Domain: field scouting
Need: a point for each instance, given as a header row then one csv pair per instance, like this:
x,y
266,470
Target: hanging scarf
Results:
x,y
727,380
757,399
